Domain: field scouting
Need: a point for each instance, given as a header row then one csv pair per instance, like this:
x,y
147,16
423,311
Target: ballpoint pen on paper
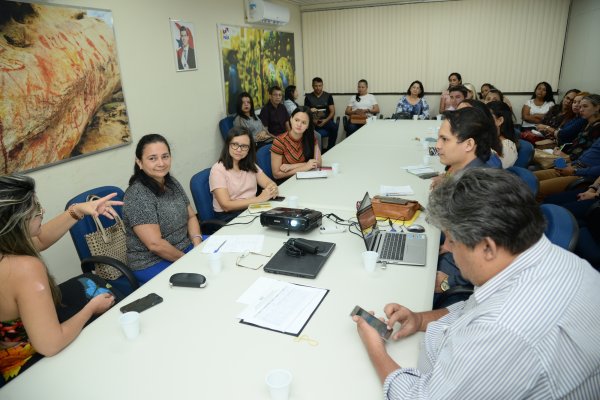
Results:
x,y
219,248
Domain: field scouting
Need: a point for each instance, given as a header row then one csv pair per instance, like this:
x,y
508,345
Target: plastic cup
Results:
x,y
279,381
369,260
415,117
426,159
130,323
438,117
292,201
335,167
214,260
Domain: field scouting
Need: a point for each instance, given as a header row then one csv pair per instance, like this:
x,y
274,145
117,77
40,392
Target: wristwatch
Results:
x,y
445,285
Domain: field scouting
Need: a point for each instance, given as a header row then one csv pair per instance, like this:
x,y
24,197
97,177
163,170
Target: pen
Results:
x,y
219,248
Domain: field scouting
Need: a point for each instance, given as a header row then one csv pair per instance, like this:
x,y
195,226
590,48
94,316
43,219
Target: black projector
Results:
x,y
291,219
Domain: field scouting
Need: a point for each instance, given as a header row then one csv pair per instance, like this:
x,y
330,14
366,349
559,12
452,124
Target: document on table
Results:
x,y
311,174
280,306
233,243
396,190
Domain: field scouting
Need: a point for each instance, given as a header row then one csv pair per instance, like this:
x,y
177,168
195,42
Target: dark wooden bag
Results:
x,y
395,208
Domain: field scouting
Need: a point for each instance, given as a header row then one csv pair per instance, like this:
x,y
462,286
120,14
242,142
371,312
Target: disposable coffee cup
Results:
x,y
415,117
279,381
335,167
293,201
130,324
214,260
438,117
369,260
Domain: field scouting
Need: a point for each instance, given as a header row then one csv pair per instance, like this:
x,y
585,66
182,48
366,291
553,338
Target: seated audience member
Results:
x,y
454,79
290,97
274,115
235,177
296,150
585,159
496,145
471,91
535,108
571,129
497,95
37,318
558,115
485,88
493,95
247,119
323,109
160,224
506,132
362,104
457,95
413,102
510,325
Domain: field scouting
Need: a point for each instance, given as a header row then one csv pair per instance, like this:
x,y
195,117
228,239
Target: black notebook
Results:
x,y
305,266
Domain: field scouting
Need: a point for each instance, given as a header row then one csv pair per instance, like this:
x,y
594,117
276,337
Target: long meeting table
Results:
x,y
192,346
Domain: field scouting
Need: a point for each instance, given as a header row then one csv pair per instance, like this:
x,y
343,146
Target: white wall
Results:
x,y
581,62
183,106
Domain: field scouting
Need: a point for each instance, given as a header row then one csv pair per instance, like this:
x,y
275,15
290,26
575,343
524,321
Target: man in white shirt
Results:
x,y
530,329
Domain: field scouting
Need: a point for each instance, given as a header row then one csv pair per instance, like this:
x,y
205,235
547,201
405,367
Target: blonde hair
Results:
x,y
471,89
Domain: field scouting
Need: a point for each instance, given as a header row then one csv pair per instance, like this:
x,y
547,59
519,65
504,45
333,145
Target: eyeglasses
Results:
x,y
39,210
236,146
246,254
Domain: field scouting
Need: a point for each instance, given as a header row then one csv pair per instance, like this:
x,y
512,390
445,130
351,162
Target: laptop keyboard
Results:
x,y
393,247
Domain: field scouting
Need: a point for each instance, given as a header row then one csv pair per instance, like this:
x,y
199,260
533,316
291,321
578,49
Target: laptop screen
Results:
x,y
367,221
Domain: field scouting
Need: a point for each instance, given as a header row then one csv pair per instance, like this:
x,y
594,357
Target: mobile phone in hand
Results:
x,y
376,323
142,304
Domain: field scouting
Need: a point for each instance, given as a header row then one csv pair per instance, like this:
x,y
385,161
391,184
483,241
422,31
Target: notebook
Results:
x,y
393,247
306,266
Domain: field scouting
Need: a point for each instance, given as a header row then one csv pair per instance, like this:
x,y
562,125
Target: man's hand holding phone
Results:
x,y
365,319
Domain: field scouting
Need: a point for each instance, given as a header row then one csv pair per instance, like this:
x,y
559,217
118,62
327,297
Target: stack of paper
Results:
x,y
311,174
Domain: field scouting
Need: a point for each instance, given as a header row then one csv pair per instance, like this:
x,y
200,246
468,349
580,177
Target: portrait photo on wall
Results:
x,y
254,60
182,33
61,93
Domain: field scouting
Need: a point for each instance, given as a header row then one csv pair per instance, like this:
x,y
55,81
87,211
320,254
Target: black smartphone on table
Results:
x,y
142,304
380,327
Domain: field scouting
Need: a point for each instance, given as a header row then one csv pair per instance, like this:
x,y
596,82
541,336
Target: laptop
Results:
x,y
306,266
392,247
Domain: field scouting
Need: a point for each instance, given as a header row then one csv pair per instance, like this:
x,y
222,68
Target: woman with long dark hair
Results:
x,y
506,132
534,109
413,102
160,224
247,119
296,150
235,178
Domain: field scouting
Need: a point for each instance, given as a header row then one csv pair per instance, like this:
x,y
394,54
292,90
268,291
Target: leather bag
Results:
x,y
108,242
358,119
395,208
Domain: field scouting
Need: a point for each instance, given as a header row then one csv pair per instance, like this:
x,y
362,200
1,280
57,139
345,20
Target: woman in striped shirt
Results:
x,y
296,150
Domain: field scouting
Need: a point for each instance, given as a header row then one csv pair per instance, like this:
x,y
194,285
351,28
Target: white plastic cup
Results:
x,y
335,167
292,201
214,260
426,159
279,381
369,260
438,117
130,323
415,117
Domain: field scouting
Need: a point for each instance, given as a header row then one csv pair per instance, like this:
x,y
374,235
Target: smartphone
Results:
x,y
278,198
142,304
376,323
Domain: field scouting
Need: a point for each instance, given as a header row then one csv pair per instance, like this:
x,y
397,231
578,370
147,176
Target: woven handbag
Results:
x,y
108,242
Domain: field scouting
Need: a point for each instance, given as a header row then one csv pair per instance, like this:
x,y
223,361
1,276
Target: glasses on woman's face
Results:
x,y
39,210
237,146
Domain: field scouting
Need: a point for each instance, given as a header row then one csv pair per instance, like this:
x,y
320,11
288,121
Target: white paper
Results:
x,y
395,190
311,174
233,243
421,170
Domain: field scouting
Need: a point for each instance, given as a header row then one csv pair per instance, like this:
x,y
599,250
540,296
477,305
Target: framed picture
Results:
x,y
61,93
182,34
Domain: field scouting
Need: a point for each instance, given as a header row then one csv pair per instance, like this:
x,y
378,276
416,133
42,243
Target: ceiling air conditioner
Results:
x,y
264,12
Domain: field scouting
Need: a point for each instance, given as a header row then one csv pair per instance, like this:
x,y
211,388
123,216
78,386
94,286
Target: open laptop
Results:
x,y
393,247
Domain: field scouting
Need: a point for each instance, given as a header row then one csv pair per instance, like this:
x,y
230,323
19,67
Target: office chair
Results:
x,y
263,159
527,176
203,200
127,283
525,154
225,125
561,226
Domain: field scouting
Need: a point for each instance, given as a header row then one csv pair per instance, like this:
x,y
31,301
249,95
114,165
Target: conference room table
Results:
x,y
192,346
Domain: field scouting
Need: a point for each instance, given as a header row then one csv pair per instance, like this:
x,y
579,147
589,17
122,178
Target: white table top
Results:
x,y
191,346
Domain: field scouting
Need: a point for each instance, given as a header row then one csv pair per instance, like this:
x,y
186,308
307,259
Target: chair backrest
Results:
x,y
203,199
225,125
527,176
525,154
561,226
494,161
86,225
263,159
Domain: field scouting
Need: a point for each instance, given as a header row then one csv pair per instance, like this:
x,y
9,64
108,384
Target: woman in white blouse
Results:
x,y
506,132
535,108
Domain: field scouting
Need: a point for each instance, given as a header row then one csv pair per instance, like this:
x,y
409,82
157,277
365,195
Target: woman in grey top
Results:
x,y
160,223
246,118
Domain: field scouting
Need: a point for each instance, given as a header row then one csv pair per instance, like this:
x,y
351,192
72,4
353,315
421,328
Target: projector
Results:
x,y
291,219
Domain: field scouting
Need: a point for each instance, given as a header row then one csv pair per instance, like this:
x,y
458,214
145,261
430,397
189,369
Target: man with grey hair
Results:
x,y
530,329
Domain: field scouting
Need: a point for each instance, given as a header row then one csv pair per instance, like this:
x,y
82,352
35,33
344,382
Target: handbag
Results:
x,y
395,208
545,144
531,137
358,119
108,242
546,160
